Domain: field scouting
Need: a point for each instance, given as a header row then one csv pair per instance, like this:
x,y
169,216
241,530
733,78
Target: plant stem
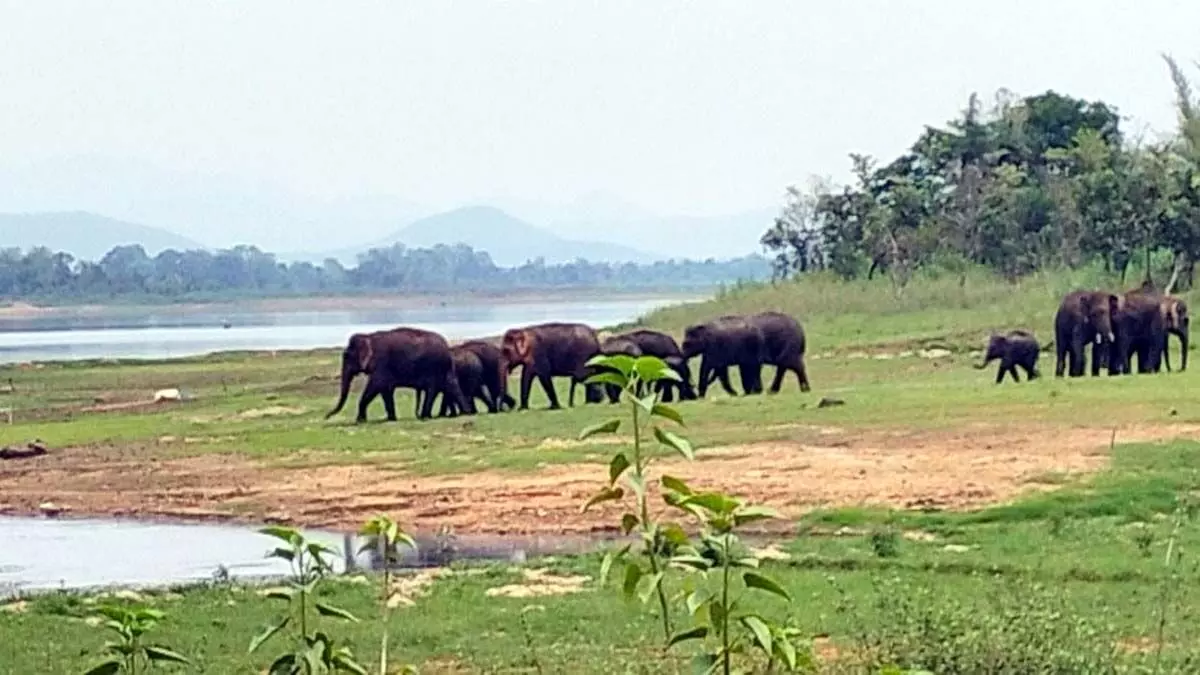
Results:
x,y
725,606
644,512
387,587
303,598
1162,607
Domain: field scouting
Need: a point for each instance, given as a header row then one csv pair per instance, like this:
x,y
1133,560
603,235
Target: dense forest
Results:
x,y
128,272
1021,184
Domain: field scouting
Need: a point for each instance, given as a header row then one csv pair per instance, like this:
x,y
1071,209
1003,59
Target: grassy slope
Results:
x,y
1097,547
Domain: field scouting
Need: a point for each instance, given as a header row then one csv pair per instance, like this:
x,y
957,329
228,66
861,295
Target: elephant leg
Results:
x,y
418,394
666,392
1060,356
1001,371
613,392
548,387
802,376
491,401
526,384
427,404
1076,355
723,376
389,402
777,383
705,373
370,391
571,393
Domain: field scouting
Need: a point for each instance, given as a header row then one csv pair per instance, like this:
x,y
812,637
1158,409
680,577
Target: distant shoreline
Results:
x,y
22,309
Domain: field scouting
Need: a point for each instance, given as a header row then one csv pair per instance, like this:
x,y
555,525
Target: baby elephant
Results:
x,y
1016,348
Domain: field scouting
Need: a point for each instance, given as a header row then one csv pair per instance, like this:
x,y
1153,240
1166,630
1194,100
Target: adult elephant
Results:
x,y
401,357
723,342
663,346
550,350
1084,317
783,346
1140,330
1176,322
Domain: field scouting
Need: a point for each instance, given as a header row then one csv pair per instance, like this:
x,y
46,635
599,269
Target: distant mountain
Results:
x,y
85,235
510,241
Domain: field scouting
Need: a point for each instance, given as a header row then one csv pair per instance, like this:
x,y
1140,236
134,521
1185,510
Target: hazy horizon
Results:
x,y
275,123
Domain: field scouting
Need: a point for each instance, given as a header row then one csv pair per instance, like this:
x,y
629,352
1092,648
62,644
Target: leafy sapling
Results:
x,y
385,537
628,373
310,652
129,654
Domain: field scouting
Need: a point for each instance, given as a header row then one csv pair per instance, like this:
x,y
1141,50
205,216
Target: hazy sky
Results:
x,y
697,107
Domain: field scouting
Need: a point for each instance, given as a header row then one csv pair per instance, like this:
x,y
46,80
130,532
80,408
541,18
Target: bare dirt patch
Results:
x,y
954,469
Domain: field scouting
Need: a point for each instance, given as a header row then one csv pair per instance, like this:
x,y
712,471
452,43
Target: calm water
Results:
x,y
169,335
42,554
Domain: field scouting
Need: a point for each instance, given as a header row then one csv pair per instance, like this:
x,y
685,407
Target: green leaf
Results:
x,y
666,411
762,583
674,534
628,522
758,628
648,591
266,634
675,441
619,362
602,428
714,502
157,654
609,558
716,614
109,667
647,402
280,594
649,367
345,662
287,534
786,652
676,485
283,554
633,574
148,614
697,633
749,514
697,599
607,377
617,466
638,484
750,562
692,561
336,612
607,494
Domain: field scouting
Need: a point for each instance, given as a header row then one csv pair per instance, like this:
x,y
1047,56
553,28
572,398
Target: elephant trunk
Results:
x,y
1183,344
349,370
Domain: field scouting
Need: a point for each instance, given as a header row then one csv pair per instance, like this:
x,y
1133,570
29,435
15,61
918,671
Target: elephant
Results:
x,y
479,368
1016,348
400,357
663,346
550,350
723,342
1141,330
783,347
495,376
1084,317
1175,321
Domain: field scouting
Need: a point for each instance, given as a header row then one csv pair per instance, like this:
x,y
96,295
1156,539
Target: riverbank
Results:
x,y
371,301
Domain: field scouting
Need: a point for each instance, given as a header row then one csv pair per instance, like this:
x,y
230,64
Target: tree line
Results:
x,y
245,270
1022,184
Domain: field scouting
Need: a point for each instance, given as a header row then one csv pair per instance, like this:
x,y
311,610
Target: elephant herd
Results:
x,y
1118,328
461,374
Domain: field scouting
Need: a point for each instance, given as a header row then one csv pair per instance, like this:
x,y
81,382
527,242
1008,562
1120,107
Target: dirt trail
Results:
x,y
960,468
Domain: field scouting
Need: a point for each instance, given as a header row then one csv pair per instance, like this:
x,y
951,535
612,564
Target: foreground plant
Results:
x,y
129,653
720,570
314,652
385,537
629,374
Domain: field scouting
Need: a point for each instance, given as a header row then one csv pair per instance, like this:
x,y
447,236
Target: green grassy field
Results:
x,y
1049,582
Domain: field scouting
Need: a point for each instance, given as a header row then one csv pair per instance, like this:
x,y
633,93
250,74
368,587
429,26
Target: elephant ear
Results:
x,y
524,345
364,351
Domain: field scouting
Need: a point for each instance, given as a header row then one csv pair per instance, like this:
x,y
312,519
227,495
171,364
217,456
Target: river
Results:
x,y
42,553
157,334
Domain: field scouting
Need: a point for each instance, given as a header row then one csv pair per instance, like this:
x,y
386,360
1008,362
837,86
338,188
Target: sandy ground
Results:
x,y
952,469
